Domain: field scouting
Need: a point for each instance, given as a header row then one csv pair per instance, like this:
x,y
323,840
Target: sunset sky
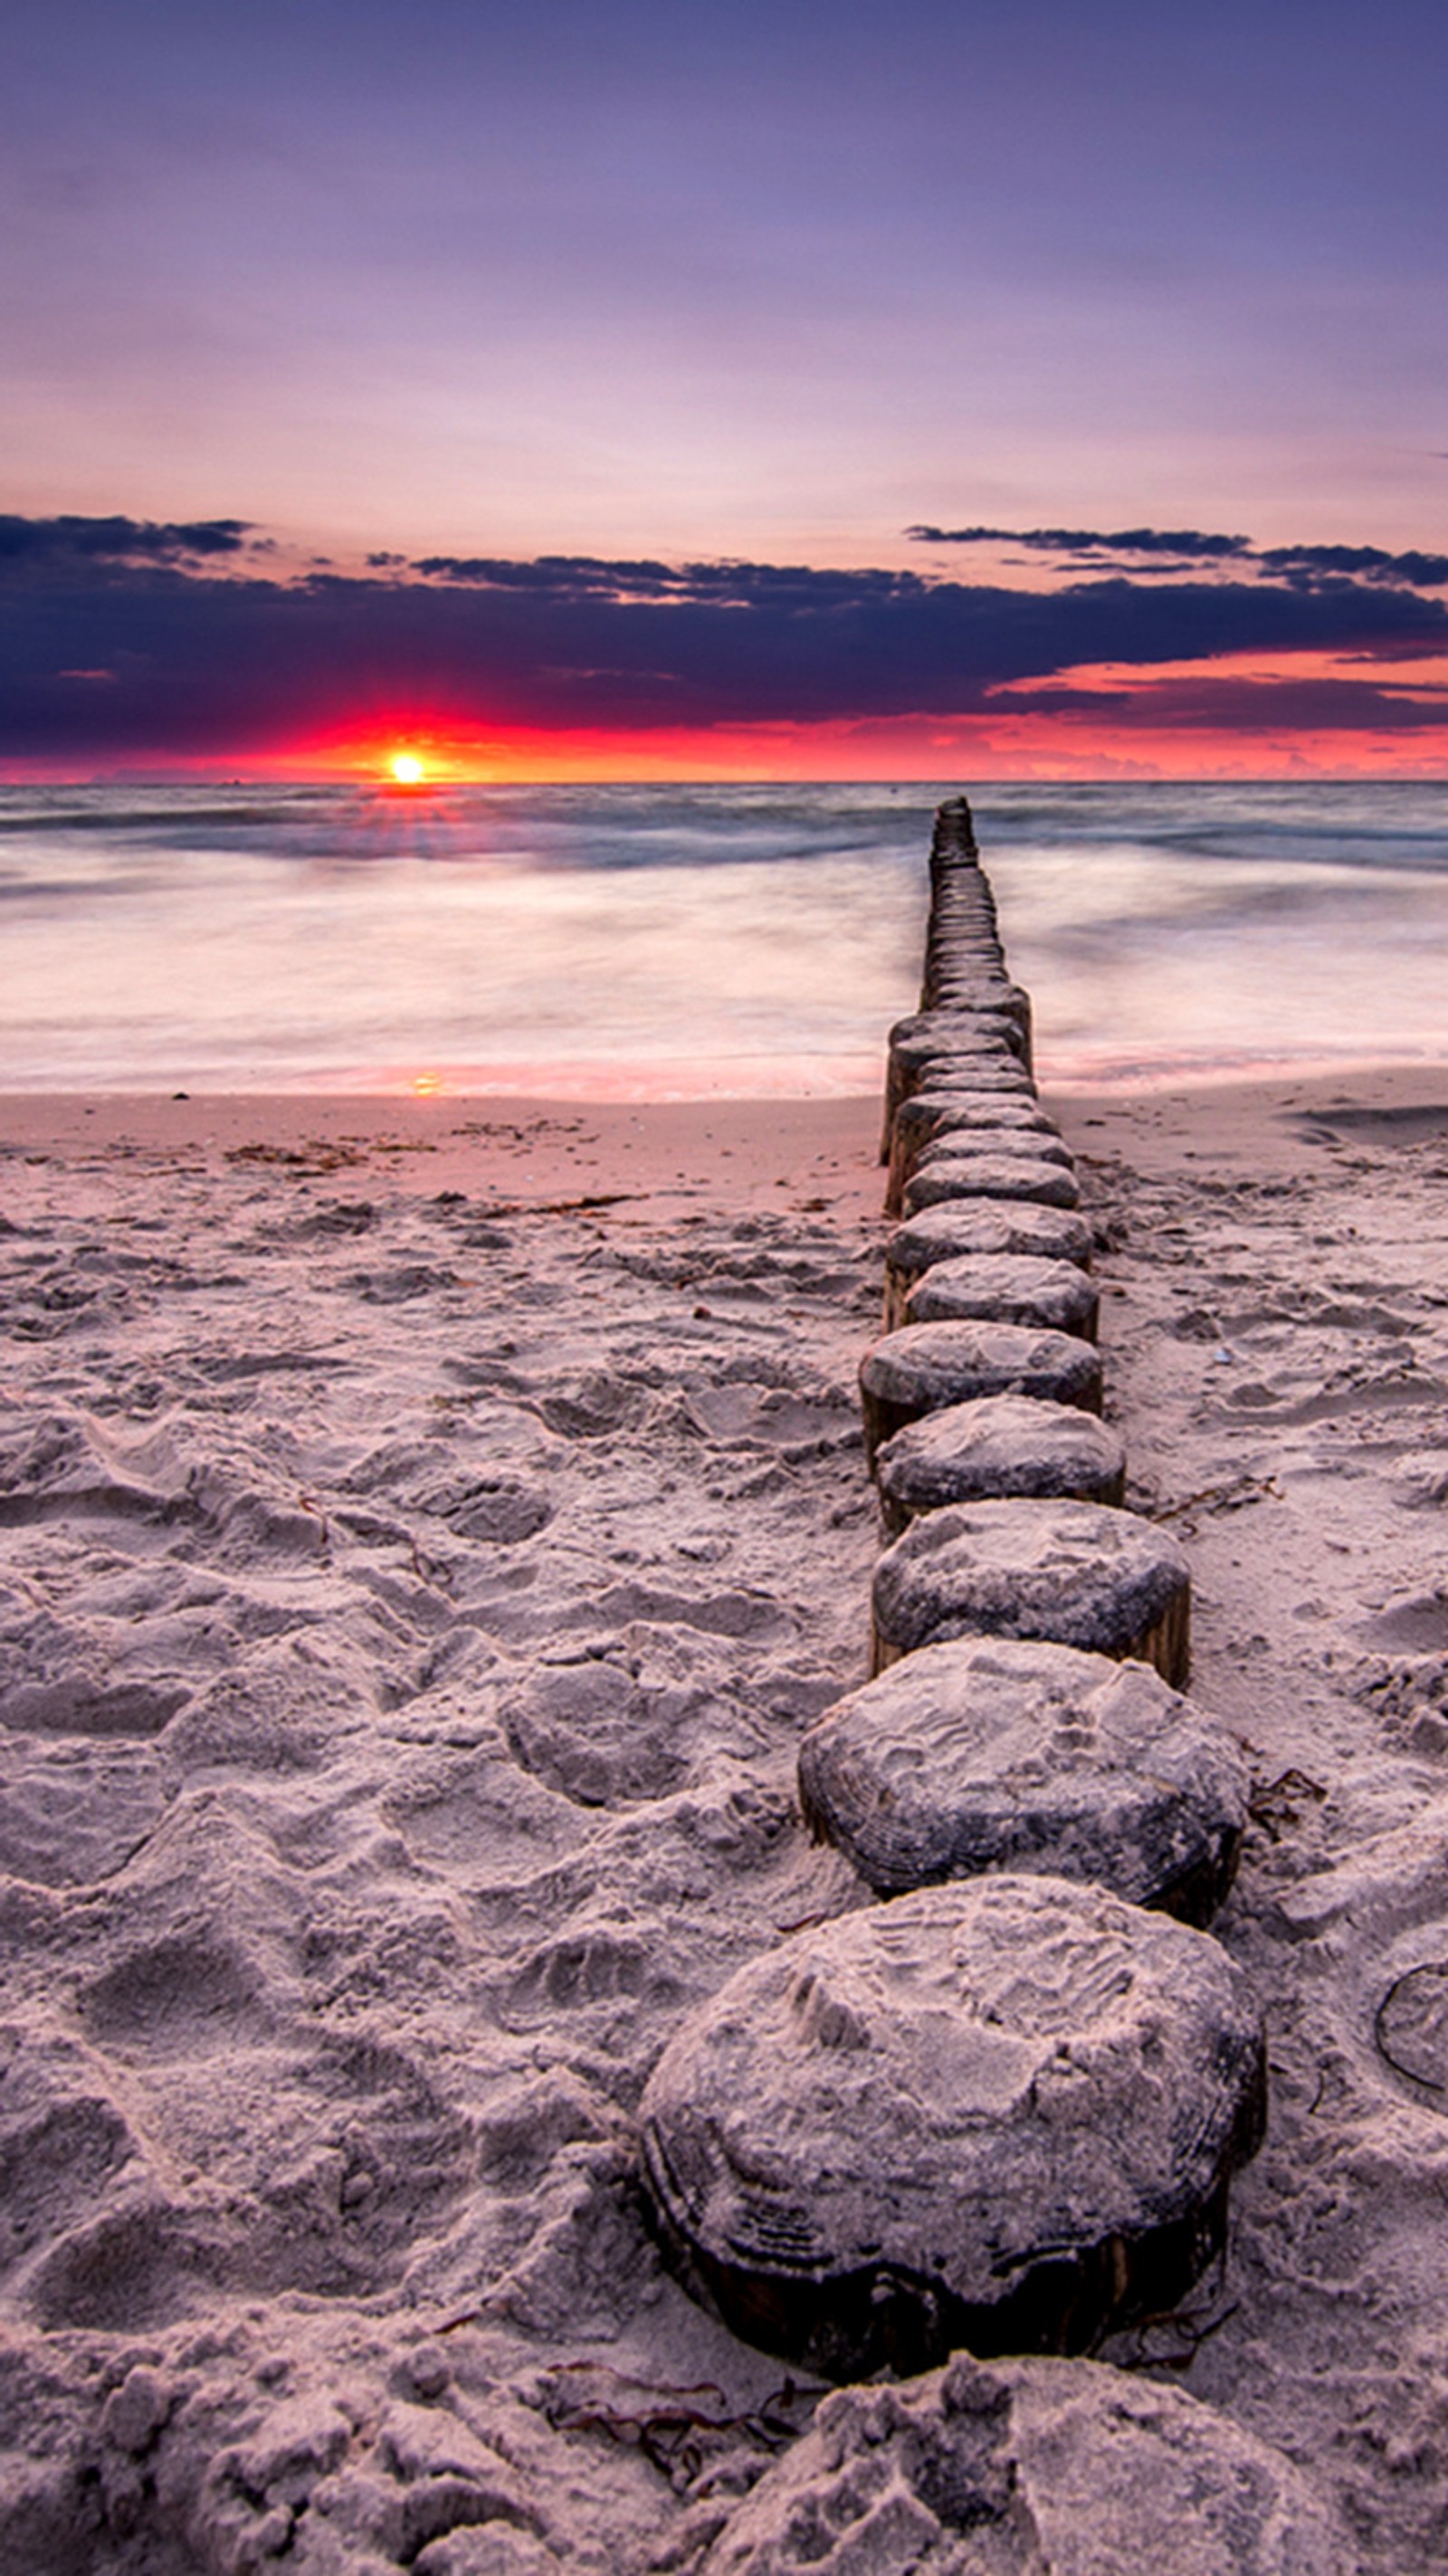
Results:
x,y
772,388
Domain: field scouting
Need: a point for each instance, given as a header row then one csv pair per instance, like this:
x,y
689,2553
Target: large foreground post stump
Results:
x,y
998,1445
1029,2468
1006,1288
924,1367
991,1226
1074,1574
995,1754
1002,2114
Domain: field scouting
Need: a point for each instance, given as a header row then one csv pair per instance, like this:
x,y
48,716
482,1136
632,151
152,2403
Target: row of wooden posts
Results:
x,y
988,1296
1000,2107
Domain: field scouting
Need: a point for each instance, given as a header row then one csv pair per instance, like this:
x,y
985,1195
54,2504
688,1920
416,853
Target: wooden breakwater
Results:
x,y
972,1397
1000,2110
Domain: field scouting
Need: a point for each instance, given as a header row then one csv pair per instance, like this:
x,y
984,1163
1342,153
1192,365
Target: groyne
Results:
x,y
998,2112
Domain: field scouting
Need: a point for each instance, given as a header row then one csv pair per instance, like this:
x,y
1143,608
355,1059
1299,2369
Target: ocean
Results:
x,y
676,942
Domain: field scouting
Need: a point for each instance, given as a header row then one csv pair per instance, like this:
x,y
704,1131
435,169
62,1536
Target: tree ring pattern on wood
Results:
x,y
1001,2113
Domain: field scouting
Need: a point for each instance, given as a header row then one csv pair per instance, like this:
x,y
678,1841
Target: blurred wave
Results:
x,y
1205,930
664,942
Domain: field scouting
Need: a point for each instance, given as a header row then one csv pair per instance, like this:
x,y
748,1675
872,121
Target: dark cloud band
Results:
x,y
168,639
1302,566
1185,544
45,542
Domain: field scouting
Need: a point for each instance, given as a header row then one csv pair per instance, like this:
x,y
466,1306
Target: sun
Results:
x,y
407,769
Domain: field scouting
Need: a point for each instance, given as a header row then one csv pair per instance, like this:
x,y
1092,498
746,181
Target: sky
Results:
x,y
619,388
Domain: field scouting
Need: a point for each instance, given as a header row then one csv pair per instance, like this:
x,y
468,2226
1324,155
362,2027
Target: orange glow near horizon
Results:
x,y
979,748
1235,716
1004,745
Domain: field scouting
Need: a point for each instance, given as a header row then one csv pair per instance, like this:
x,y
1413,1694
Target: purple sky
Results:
x,y
483,278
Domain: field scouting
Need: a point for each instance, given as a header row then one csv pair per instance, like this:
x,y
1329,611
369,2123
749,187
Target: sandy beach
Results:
x,y
428,1527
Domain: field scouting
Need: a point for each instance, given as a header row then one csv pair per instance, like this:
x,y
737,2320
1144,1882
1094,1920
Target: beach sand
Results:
x,y
427,1528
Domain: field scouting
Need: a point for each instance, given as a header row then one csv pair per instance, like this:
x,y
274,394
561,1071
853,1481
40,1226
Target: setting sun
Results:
x,y
406,768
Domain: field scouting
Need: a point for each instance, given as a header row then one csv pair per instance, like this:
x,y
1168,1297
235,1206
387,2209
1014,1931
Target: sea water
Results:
x,y
678,941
